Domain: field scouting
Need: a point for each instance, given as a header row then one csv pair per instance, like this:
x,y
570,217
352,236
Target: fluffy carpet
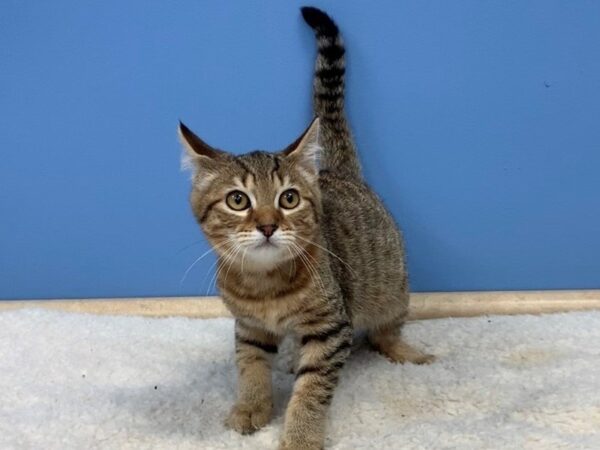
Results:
x,y
70,381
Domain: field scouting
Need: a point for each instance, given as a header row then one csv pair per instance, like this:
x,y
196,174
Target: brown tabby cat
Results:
x,y
305,248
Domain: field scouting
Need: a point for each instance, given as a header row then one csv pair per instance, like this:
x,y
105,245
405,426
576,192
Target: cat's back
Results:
x,y
352,210
367,242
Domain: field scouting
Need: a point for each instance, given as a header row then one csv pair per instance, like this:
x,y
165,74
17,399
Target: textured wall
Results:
x,y
477,122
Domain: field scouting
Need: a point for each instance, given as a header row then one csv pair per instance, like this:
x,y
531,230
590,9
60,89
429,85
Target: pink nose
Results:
x,y
267,230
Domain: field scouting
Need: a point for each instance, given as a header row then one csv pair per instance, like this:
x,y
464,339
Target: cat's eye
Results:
x,y
289,199
238,201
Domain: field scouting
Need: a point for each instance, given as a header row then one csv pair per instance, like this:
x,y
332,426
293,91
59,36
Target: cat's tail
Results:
x,y
339,151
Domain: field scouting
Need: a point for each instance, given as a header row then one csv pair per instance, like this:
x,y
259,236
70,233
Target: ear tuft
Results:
x,y
193,144
306,149
198,154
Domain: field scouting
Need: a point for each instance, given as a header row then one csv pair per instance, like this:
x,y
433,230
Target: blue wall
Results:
x,y
478,122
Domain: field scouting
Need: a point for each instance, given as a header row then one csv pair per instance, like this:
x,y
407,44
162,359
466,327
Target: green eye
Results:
x,y
289,199
237,200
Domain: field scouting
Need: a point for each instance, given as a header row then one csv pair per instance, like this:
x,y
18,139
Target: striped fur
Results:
x,y
328,96
334,264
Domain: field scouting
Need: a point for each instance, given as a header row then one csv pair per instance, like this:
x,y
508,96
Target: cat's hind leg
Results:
x,y
387,340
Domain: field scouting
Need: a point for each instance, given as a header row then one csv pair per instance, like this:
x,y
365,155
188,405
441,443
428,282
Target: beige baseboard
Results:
x,y
423,305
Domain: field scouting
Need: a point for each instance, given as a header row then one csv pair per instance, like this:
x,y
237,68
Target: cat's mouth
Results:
x,y
266,243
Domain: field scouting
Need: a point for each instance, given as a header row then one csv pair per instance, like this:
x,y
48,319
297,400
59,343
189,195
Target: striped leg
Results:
x,y
323,352
254,350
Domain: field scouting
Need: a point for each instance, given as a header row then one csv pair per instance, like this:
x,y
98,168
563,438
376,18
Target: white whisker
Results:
x,y
243,256
239,249
200,257
313,272
330,252
222,261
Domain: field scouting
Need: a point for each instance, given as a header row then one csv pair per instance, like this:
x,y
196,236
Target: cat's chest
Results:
x,y
276,315
272,320
270,302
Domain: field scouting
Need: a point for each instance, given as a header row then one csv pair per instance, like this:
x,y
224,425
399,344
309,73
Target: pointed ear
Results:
x,y
198,154
306,149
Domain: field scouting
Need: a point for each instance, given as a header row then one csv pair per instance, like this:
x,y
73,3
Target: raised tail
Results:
x,y
339,151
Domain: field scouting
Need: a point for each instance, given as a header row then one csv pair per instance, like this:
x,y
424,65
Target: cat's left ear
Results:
x,y
306,149
198,156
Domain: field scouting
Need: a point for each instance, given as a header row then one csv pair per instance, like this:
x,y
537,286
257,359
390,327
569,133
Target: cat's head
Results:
x,y
259,209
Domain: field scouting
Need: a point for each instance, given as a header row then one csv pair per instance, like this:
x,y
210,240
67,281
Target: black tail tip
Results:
x,y
319,21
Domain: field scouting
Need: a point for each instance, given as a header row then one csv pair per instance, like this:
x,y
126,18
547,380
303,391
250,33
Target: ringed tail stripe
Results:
x,y
339,152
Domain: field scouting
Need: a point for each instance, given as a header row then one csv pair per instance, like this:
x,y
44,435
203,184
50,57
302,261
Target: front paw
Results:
x,y
246,419
296,445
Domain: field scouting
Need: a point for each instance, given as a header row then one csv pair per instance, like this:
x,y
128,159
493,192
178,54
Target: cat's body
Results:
x,y
327,257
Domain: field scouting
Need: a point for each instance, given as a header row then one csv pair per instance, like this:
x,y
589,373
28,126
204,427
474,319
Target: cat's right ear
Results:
x,y
198,156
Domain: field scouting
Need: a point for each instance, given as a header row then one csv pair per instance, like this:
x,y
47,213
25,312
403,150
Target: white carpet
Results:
x,y
72,381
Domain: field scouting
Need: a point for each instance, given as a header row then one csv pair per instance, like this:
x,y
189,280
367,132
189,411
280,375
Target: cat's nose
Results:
x,y
267,230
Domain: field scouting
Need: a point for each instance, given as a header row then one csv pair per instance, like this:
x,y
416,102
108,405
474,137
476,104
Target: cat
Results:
x,y
305,248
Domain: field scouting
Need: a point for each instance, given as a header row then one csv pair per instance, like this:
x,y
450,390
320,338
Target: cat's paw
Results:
x,y
398,351
283,445
423,358
414,357
246,419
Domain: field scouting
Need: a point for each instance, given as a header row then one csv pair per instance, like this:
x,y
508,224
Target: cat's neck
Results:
x,y
255,283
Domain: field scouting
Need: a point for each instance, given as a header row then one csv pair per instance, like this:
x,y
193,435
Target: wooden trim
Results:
x,y
469,304
423,305
202,307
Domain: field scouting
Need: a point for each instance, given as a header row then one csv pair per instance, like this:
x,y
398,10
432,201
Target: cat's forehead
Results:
x,y
260,163
263,170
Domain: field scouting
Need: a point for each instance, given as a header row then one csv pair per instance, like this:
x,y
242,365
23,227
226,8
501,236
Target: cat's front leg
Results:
x,y
324,350
254,350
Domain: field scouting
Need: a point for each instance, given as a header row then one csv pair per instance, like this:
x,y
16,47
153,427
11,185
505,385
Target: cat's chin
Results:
x,y
265,257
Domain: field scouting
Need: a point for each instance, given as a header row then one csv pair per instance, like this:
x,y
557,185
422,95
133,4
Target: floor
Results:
x,y
74,381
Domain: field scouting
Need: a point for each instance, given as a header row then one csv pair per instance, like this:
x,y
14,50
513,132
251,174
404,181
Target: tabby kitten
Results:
x,y
305,248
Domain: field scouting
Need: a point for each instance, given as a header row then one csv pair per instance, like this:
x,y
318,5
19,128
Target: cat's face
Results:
x,y
260,209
